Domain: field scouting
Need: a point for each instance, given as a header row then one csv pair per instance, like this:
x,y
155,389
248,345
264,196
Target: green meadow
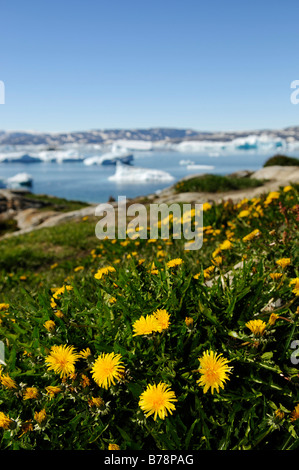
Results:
x,y
140,344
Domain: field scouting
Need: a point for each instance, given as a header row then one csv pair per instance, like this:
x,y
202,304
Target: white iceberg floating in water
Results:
x,y
21,179
19,158
186,162
200,167
141,145
110,158
261,143
60,156
126,173
194,146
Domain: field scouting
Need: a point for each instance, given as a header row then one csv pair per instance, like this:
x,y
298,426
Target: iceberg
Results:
x,y
20,159
60,156
186,162
194,146
124,173
261,143
200,167
133,145
21,179
110,158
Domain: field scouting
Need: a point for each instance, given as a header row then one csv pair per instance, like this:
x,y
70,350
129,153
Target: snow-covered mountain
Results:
x,y
163,135
93,136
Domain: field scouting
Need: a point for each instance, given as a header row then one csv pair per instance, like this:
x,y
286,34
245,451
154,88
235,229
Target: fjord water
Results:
x,y
76,181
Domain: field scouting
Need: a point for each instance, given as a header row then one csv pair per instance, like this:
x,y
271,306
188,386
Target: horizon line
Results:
x,y
103,129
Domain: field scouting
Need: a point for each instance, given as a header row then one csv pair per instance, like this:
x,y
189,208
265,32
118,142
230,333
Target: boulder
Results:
x,y
284,174
32,217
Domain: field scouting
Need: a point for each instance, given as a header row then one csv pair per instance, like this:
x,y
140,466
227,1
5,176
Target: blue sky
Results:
x,y
214,65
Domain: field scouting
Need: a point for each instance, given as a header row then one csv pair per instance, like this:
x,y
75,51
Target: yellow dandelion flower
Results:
x,y
40,416
283,262
295,413
53,303
85,353
244,213
273,318
229,235
7,381
174,262
30,393
49,325
257,327
98,402
162,317
61,290
217,260
153,269
107,369
275,276
104,271
208,271
58,314
258,212
62,360
26,427
279,414
295,282
78,268
145,325
189,321
27,353
113,447
4,421
271,196
206,206
157,400
226,245
251,235
214,371
85,382
52,390
4,306
161,254
287,188
53,266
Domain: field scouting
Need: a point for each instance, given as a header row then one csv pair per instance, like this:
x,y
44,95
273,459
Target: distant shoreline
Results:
x,y
39,214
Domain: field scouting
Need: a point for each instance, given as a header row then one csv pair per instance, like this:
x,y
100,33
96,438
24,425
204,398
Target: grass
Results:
x,y
43,203
209,303
8,226
282,160
54,203
216,183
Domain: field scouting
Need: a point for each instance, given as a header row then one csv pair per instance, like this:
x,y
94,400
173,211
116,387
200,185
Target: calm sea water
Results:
x,y
76,181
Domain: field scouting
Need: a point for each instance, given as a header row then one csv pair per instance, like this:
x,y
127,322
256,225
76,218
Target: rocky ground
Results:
x,y
28,214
